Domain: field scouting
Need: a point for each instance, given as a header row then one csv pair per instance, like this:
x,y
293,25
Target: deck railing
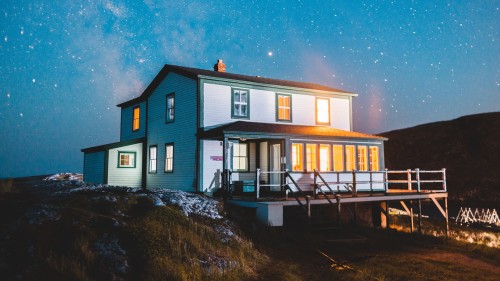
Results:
x,y
332,183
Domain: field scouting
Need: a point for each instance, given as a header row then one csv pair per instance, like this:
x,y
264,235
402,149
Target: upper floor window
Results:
x,y
283,107
170,107
241,102
323,111
136,118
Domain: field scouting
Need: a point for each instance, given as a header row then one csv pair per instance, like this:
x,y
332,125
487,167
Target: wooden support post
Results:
x,y
387,215
308,202
419,216
384,214
386,180
417,171
354,190
412,226
337,197
408,174
444,179
257,184
409,211
446,218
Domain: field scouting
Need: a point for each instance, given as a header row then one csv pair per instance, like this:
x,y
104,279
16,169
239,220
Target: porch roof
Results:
x,y
246,128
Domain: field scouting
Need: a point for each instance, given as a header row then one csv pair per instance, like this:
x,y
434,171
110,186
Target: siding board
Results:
x,y
93,167
127,117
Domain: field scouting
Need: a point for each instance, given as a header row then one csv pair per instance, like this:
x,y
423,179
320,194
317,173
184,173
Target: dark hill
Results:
x,y
468,147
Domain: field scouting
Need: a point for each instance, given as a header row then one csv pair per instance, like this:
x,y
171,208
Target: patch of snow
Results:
x,y
41,213
65,176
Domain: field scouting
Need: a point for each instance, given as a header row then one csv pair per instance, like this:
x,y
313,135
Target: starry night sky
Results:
x,y
66,64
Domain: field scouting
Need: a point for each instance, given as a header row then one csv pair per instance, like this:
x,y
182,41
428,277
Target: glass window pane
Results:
x,y
324,157
310,157
297,156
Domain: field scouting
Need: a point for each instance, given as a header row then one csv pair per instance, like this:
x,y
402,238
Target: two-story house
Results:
x,y
190,123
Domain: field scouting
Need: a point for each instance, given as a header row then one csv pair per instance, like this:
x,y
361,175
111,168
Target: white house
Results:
x,y
190,123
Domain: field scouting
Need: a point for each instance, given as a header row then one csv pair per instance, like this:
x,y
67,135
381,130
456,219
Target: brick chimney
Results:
x,y
220,66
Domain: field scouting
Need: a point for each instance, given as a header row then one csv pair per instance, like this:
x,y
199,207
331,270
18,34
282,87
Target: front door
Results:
x,y
275,166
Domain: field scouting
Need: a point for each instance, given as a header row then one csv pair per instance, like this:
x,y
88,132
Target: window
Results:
x,y
240,104
362,158
170,107
338,158
350,158
324,157
240,157
136,119
310,156
169,157
374,158
297,156
126,159
283,107
152,158
323,111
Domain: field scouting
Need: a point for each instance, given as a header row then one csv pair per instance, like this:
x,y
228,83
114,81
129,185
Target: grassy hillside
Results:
x,y
468,147
69,230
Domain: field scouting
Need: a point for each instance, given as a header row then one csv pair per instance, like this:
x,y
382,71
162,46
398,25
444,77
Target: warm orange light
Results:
x,y
350,157
135,125
322,111
297,156
324,157
374,166
362,159
338,158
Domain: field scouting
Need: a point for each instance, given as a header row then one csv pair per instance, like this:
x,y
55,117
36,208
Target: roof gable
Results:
x,y
195,73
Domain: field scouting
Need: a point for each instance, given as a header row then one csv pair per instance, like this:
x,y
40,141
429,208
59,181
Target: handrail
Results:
x,y
287,175
316,186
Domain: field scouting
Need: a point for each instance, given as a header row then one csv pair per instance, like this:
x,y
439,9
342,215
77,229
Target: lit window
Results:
x,y
374,158
297,152
126,159
240,157
169,157
338,158
322,111
136,119
350,157
310,156
362,158
240,103
170,108
284,107
152,158
324,157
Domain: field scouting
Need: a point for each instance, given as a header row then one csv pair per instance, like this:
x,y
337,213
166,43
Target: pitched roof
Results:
x,y
194,73
243,127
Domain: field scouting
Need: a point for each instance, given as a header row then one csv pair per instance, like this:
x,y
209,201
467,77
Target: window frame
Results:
x,y
328,155
342,158
118,164
314,161
362,160
347,167
167,97
371,166
277,108
138,108
317,112
246,157
300,157
170,144
150,159
233,91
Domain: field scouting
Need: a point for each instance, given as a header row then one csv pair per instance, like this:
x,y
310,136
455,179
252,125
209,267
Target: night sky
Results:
x,y
66,64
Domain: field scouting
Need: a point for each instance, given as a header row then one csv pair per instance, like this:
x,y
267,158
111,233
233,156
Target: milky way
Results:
x,y
65,66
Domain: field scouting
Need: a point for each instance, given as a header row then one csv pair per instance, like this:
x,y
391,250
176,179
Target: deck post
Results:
x,y
447,229
387,216
412,226
444,178
354,190
408,173
308,202
337,197
386,180
257,183
419,216
371,181
417,171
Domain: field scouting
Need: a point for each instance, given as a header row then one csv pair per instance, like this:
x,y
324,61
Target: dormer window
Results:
x,y
136,118
241,102
323,111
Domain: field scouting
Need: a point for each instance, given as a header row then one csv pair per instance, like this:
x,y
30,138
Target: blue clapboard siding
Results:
x,y
127,117
93,167
181,132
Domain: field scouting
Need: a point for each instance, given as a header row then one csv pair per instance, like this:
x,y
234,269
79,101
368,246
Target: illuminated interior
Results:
x,y
338,158
310,156
322,111
350,157
284,108
362,158
324,157
135,125
374,164
297,150
240,157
